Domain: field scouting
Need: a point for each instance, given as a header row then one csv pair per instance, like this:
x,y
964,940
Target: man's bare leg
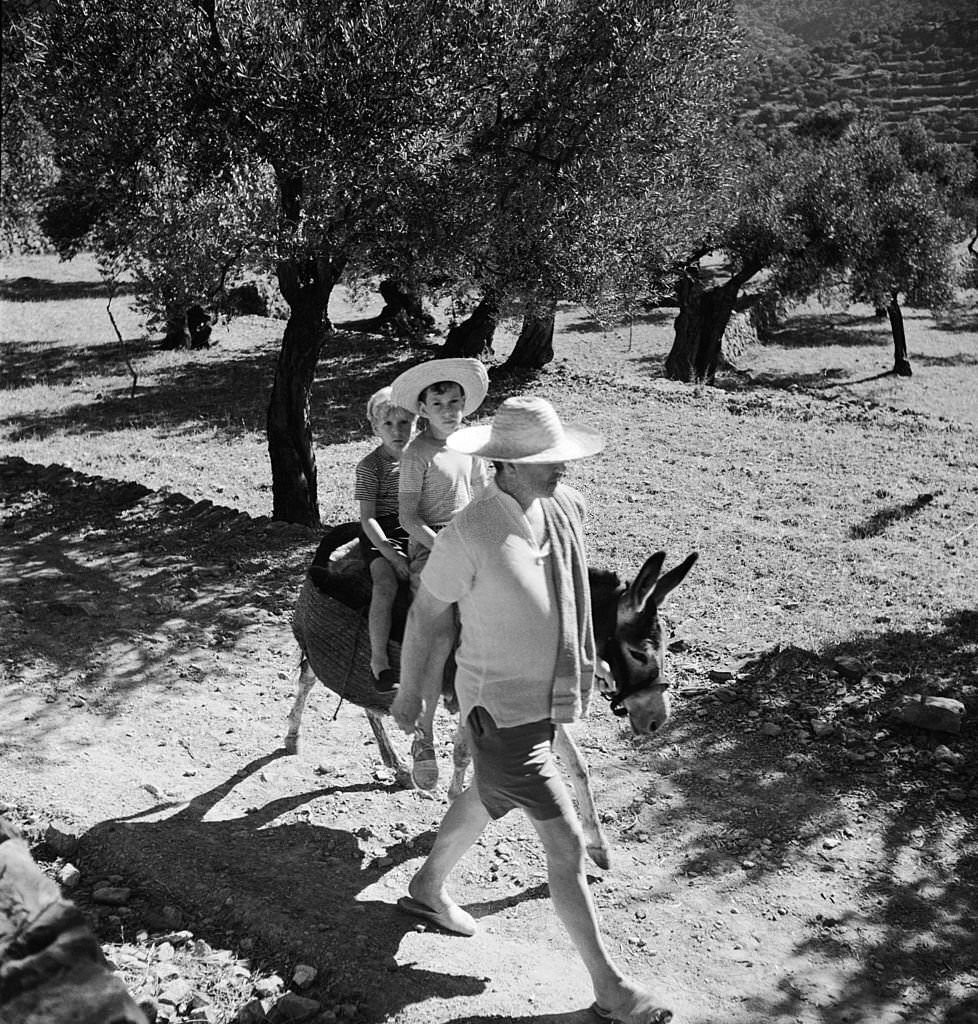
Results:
x,y
617,996
464,821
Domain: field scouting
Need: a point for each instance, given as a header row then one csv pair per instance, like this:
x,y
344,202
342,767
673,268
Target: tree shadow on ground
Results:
x,y
959,359
913,935
223,390
131,577
960,319
829,329
62,363
35,289
573,1017
880,521
302,881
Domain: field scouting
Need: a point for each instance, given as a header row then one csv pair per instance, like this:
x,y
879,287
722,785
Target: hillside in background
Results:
x,y
901,57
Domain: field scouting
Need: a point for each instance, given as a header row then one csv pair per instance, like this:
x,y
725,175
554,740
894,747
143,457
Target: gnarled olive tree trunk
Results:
x,y
703,317
901,361
403,311
534,347
473,336
306,286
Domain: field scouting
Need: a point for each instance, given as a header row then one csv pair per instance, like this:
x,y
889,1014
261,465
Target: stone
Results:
x,y
69,876
208,1014
303,975
293,1009
821,728
937,714
850,668
60,842
771,729
251,1013
171,916
112,896
270,986
178,992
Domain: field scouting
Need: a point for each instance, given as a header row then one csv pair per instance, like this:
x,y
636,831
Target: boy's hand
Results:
x,y
405,711
400,566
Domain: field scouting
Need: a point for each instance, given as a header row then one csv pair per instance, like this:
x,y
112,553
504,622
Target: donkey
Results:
x,y
329,622
630,675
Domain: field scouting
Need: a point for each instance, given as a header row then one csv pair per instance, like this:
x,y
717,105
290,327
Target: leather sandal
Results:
x,y
425,768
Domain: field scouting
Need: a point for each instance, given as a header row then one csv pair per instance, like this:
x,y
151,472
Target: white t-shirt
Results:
x,y
488,562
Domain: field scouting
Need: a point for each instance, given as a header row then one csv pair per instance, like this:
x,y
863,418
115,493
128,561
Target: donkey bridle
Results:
x,y
610,652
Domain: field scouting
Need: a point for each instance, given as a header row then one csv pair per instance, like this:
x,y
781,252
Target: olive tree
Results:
x,y
900,237
170,123
841,203
573,153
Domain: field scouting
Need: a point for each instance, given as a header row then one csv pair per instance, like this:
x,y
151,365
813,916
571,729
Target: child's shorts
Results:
x,y
395,533
515,767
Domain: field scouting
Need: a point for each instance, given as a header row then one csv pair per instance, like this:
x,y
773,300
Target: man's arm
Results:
x,y
428,639
409,515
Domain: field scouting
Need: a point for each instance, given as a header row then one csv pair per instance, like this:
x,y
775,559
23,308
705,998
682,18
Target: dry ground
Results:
x,y
786,852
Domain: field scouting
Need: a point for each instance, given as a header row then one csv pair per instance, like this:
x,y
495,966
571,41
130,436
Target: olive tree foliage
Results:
x,y
851,209
200,139
27,166
901,234
575,150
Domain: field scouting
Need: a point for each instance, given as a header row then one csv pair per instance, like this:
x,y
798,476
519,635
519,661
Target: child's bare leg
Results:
x,y
425,762
379,620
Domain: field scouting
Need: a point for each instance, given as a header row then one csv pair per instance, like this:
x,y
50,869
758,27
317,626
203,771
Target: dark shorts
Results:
x,y
396,534
515,767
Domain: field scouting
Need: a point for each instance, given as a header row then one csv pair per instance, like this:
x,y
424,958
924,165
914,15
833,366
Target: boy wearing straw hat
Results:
x,y
514,564
436,482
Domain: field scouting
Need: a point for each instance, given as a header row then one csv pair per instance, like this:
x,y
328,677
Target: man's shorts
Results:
x,y
515,767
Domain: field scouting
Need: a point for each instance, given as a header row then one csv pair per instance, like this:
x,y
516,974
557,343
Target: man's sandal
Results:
x,y
425,768
643,1012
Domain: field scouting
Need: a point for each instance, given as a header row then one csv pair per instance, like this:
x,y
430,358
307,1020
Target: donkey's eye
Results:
x,y
640,656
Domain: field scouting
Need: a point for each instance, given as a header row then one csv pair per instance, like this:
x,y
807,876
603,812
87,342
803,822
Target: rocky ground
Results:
x,y
759,873
800,846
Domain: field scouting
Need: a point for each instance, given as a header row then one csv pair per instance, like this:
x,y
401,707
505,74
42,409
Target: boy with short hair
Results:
x,y
383,541
436,482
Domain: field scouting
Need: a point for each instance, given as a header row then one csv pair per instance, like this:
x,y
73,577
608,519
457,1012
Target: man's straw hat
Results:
x,y
526,429
469,374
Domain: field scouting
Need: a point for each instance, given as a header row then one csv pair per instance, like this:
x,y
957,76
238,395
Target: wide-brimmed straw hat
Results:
x,y
469,374
526,429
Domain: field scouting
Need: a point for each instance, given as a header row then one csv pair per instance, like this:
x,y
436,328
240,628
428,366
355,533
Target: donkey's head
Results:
x,y
631,642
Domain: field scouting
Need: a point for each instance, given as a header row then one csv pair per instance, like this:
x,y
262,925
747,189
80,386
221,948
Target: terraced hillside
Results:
x,y
924,67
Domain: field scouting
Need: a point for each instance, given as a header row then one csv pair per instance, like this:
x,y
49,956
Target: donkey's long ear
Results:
x,y
672,579
641,587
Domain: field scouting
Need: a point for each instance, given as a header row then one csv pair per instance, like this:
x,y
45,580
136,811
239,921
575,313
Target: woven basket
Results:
x,y
334,638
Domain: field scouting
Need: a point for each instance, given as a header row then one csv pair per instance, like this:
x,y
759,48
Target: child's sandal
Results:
x,y
385,680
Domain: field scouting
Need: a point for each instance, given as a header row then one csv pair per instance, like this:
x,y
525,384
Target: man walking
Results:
x,y
514,564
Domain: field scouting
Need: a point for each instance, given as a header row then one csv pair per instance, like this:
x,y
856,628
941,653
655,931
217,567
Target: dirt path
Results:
x,y
147,673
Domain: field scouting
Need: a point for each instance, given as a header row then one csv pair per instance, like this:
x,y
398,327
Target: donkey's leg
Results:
x,y
461,759
306,680
402,772
569,753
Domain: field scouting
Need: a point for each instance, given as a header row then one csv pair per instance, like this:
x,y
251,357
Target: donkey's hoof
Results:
x,y
291,744
404,778
600,854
